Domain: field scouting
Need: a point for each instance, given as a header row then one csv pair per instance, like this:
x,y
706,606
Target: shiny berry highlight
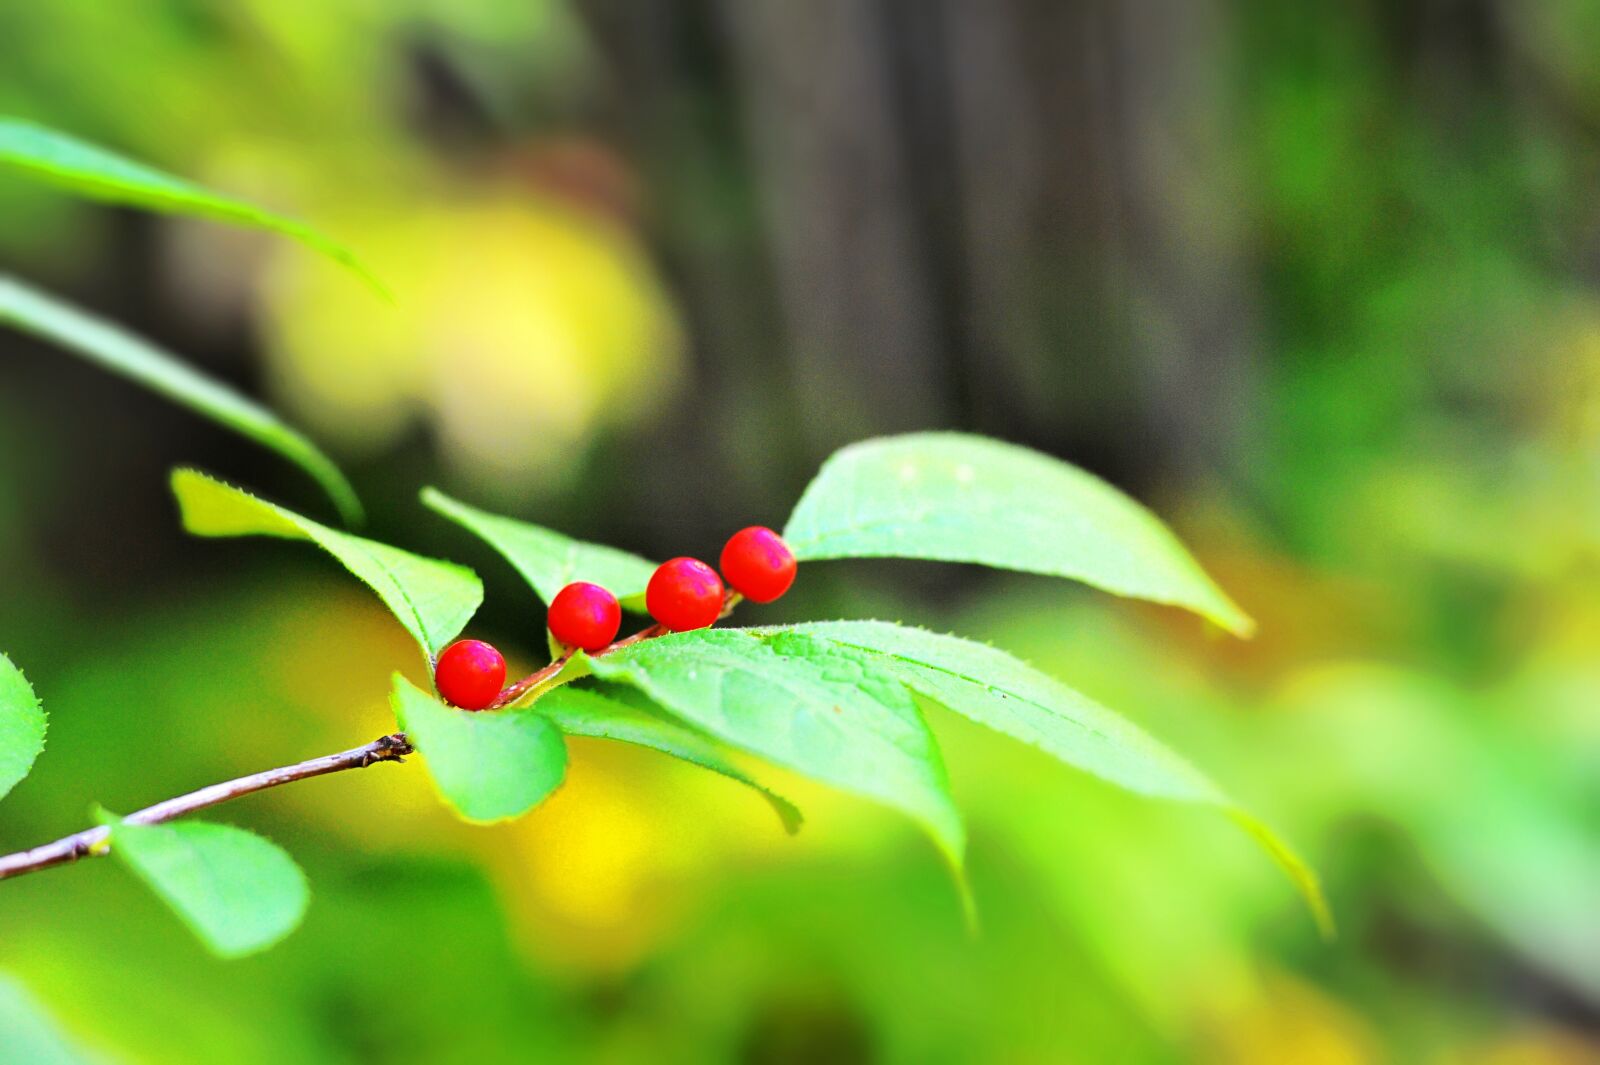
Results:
x,y
584,615
757,564
470,674
684,594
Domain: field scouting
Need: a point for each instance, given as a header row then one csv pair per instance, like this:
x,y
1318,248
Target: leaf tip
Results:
x,y
376,284
1231,617
441,503
1300,874
351,513
788,814
969,904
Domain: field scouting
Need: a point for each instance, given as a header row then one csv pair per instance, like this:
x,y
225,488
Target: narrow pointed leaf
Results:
x,y
98,174
951,497
831,712
610,712
22,726
432,598
120,352
489,765
548,560
1003,693
238,892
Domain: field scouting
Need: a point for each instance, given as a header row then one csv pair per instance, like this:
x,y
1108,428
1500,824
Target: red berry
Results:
x,y
470,674
684,594
584,615
757,564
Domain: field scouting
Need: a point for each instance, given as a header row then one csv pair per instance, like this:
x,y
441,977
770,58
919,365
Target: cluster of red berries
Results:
x,y
683,594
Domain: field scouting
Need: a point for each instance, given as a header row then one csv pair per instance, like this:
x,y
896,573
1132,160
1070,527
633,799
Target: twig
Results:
x,y
91,842
522,687
638,637
511,693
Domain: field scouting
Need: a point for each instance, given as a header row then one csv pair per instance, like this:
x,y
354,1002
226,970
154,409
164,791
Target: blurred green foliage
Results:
x,y
1407,504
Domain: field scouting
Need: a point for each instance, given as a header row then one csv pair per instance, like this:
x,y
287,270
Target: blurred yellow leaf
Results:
x,y
523,329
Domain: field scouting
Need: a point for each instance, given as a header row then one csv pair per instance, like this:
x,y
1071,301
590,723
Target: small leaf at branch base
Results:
x,y
94,172
548,560
489,765
1003,693
22,726
610,712
238,892
122,353
433,599
828,711
950,497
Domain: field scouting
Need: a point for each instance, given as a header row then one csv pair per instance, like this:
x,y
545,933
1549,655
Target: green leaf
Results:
x,y
101,175
22,726
433,599
828,711
239,893
548,560
28,1035
109,347
1005,694
950,497
999,691
490,765
613,713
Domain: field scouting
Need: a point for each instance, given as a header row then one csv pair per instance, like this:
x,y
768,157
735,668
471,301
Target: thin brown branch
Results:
x,y
516,691
511,693
643,634
91,842
545,674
